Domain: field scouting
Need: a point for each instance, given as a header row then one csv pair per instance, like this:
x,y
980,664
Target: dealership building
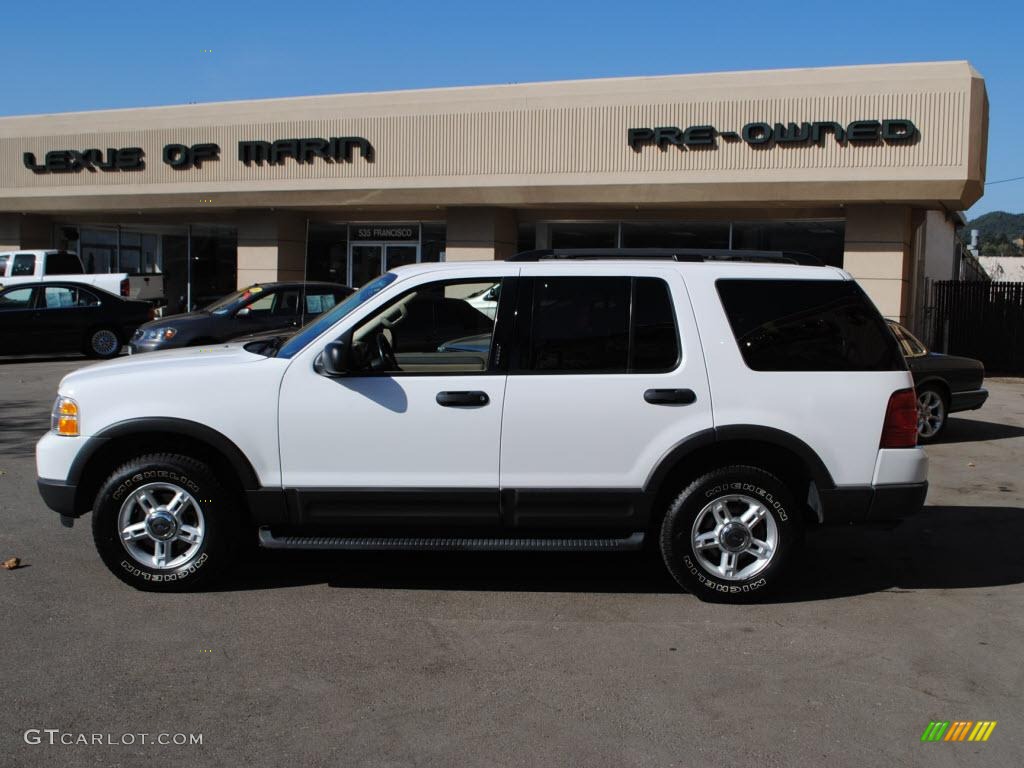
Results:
x,y
864,167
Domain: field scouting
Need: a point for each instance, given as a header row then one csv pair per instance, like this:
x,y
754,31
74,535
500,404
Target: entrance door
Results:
x,y
368,260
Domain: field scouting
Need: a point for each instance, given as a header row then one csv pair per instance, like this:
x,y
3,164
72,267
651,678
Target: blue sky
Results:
x,y
65,56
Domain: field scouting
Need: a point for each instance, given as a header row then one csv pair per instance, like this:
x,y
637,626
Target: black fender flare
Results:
x,y
192,429
735,432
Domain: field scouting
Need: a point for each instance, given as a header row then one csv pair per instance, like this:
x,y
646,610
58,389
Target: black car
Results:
x,y
62,316
945,384
256,309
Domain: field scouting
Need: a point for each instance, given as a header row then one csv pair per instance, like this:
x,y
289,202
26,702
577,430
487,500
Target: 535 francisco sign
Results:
x,y
759,134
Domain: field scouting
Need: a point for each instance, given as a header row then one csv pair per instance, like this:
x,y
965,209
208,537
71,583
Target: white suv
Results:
x,y
711,405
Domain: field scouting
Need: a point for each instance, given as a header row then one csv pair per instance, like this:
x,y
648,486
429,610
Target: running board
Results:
x,y
451,544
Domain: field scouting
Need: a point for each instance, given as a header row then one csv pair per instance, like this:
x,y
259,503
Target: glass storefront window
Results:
x,y
526,237
823,239
584,235
326,253
675,234
214,262
432,243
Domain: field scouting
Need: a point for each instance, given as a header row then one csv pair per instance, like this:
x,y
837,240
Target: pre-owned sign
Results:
x,y
759,134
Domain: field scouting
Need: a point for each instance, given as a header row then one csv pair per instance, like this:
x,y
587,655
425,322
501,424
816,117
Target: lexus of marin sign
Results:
x,y
182,156
767,134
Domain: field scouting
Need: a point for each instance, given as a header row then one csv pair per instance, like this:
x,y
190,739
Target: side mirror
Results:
x,y
336,359
243,312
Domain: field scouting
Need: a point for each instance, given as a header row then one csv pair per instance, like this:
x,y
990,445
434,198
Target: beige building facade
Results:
x,y
865,167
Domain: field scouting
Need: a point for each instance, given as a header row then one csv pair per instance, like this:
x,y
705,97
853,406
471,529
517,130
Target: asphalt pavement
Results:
x,y
379,659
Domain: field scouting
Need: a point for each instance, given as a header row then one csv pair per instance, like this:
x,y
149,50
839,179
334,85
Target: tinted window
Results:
x,y
655,345
17,298
3,264
287,302
808,325
24,264
63,263
582,325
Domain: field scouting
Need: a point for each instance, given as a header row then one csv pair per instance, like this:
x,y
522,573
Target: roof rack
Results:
x,y
671,254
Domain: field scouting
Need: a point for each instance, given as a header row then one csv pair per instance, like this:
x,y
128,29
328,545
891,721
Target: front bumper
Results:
x,y
968,401
58,496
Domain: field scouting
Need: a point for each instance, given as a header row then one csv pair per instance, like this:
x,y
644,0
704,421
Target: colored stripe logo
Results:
x,y
958,730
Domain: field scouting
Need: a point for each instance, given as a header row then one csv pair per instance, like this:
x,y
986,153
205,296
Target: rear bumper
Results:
x,y
872,503
967,401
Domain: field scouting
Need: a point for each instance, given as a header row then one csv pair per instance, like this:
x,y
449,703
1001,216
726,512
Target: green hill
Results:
x,y
996,223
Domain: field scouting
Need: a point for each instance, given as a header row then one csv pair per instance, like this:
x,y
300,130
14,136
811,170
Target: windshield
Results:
x,y
321,323
232,301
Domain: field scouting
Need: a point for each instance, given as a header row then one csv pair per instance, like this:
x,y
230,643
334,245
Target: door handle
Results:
x,y
473,399
670,396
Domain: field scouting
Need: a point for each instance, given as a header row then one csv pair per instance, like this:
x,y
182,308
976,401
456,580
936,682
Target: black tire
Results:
x,y
935,400
103,343
690,569
219,519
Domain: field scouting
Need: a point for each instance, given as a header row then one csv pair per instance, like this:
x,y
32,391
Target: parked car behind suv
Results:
x,y
944,384
67,317
257,309
663,397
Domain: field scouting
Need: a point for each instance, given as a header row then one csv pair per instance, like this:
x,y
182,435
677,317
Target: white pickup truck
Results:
x,y
33,266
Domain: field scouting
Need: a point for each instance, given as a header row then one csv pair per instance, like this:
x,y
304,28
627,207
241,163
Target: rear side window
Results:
x,y
808,325
24,265
601,325
63,263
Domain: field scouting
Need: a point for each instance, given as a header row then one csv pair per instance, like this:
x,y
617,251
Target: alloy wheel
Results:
x,y
734,537
104,342
161,526
931,413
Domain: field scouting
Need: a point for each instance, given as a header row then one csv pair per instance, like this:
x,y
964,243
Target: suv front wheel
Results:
x,y
730,534
163,523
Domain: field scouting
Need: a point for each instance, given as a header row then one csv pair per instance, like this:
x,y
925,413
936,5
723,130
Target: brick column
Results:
x,y
878,255
480,233
271,246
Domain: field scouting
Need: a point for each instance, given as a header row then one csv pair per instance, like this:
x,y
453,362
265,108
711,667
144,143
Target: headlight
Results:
x,y
64,417
161,334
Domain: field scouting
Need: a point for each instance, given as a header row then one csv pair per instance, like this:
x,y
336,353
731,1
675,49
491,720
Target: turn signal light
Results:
x,y
64,418
900,427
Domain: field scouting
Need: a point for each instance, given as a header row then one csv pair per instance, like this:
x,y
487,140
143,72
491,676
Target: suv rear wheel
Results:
x,y
163,523
730,534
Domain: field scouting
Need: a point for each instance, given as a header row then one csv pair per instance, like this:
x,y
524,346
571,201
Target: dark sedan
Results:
x,y
256,309
67,317
945,384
